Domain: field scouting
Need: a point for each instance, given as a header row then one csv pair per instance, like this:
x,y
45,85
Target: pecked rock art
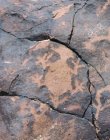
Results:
x,y
54,70
55,75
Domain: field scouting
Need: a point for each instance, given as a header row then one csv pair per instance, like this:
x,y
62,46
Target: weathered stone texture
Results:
x,y
54,70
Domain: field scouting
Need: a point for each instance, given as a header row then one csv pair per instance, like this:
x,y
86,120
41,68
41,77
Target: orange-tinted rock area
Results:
x,y
54,70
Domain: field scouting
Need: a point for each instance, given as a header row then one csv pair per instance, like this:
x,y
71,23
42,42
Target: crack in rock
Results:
x,y
13,94
72,30
39,37
9,33
42,37
89,88
3,93
90,84
81,58
13,83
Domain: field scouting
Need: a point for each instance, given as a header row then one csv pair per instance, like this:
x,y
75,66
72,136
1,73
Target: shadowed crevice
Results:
x,y
39,37
6,94
73,24
89,85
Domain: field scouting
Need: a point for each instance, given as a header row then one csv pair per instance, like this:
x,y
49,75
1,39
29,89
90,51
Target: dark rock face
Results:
x,y
54,70
35,120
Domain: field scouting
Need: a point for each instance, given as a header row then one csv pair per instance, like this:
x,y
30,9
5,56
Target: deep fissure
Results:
x,y
73,25
91,103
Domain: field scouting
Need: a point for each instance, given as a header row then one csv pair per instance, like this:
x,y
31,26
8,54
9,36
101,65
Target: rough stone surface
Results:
x,y
92,35
54,70
34,120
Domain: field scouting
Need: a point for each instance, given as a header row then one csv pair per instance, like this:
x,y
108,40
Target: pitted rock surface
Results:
x,y
54,70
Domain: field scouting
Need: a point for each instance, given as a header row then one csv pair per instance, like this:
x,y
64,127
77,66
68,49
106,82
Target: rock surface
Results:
x,y
54,70
35,120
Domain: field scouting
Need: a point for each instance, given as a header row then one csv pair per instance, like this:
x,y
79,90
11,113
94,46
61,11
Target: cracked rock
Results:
x,y
52,73
34,120
91,35
54,70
